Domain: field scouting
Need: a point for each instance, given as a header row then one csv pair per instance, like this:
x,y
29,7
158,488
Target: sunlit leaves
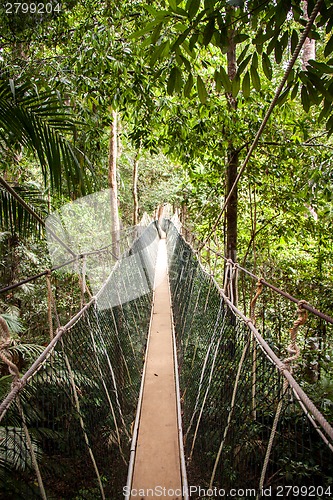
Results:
x,y
39,122
322,68
192,8
329,47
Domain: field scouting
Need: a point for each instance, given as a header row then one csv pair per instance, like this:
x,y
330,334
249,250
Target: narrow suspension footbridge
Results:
x,y
161,387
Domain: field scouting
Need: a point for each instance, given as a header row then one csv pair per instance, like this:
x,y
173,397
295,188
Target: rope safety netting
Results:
x,y
65,427
247,423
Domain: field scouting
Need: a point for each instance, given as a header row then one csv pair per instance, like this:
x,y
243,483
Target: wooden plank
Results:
x,y
157,459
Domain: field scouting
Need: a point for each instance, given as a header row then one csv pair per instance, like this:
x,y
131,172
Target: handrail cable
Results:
x,y
269,112
305,305
313,412
55,268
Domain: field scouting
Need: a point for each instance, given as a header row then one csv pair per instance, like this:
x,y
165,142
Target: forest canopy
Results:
x,y
171,95
217,111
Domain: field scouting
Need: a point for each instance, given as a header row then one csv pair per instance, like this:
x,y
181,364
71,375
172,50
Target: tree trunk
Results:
x,y
231,174
231,218
135,189
309,47
112,181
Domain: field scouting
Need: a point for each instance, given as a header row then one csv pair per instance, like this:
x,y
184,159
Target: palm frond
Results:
x,y
41,123
14,449
13,321
14,218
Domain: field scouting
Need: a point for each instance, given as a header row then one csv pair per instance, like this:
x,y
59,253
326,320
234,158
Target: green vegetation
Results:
x,y
189,82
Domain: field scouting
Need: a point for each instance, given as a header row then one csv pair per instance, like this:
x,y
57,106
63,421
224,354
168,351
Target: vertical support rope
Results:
x,y
271,437
31,449
294,352
107,394
113,378
203,372
232,406
254,348
49,302
78,409
205,396
5,341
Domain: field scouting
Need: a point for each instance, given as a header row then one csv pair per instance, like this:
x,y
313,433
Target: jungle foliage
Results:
x,y
191,81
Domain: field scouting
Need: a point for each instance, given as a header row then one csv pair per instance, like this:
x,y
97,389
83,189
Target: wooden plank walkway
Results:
x,y
157,466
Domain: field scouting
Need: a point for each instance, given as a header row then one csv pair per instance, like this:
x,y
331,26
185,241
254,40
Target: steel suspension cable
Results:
x,y
269,112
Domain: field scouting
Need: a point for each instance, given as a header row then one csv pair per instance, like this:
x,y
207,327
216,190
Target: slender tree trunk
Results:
x,y
231,174
112,181
309,47
135,189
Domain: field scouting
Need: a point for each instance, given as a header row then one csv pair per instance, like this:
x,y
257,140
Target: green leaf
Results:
x,y
209,5
278,53
294,91
156,33
305,99
188,85
40,122
246,85
314,97
322,67
173,4
225,80
259,38
235,86
208,32
255,78
327,107
243,65
182,37
158,52
218,81
284,41
172,80
255,60
186,63
147,29
242,54
192,8
283,97
280,13
202,92
271,45
240,37
266,66
291,76
193,40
